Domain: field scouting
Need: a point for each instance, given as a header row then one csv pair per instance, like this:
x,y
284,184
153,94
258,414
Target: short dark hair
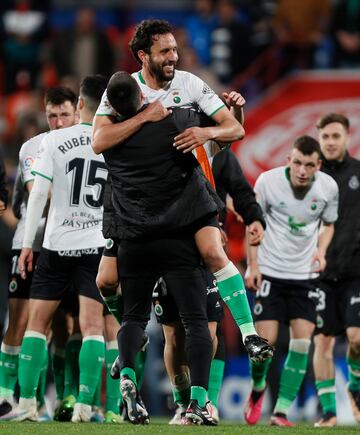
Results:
x,y
92,89
124,94
144,34
307,145
329,118
59,95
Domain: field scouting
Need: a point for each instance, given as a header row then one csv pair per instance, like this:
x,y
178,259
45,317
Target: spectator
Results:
x,y
231,49
200,26
24,30
300,27
346,29
82,50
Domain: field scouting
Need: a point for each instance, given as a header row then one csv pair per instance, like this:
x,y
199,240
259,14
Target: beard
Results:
x,y
158,72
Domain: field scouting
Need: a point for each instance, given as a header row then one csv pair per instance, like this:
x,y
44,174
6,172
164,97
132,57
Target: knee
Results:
x,y
354,342
324,346
214,257
92,326
107,285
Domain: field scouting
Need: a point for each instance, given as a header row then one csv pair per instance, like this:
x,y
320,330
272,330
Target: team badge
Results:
x,y
158,309
109,243
177,100
258,308
354,182
319,321
13,286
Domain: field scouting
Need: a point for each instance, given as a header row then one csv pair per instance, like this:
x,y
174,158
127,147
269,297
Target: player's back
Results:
x,y
78,178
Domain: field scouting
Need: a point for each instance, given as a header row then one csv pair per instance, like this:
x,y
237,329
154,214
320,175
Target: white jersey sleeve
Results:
x,y
105,108
43,164
259,189
330,213
27,156
203,95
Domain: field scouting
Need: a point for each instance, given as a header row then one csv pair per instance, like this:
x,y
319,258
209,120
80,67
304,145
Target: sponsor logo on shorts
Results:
x,y
13,285
79,252
258,308
319,321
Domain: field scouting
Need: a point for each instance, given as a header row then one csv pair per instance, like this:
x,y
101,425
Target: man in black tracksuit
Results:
x,y
339,293
161,198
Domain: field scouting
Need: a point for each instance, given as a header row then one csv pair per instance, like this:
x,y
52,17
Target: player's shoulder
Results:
x,y
185,77
279,172
32,144
326,181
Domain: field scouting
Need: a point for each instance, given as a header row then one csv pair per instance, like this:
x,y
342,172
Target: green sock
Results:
x,y
327,395
215,380
97,395
113,303
354,374
233,293
127,371
71,369
9,361
31,361
181,389
41,389
112,385
199,394
140,360
91,359
259,371
58,366
292,375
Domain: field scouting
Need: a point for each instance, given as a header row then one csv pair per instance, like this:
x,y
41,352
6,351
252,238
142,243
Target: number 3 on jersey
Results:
x,y
95,175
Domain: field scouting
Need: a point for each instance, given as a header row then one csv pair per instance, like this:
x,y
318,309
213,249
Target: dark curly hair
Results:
x,y
144,34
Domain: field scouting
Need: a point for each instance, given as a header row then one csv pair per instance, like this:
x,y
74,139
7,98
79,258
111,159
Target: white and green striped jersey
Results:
x,y
292,224
78,178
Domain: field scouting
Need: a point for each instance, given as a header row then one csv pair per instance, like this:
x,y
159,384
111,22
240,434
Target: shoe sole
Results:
x,y
264,354
128,392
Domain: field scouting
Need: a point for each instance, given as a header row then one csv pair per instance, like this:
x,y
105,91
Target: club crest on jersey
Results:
x,y
354,182
177,99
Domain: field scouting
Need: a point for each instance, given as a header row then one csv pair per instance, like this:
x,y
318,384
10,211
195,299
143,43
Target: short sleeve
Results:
x,y
330,212
260,192
105,108
204,96
44,165
26,161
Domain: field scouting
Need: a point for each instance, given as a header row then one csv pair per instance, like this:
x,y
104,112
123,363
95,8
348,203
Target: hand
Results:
x,y
2,207
156,112
25,262
191,138
253,277
255,233
318,263
234,99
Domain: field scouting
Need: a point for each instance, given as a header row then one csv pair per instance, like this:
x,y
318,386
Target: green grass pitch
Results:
x,y
160,426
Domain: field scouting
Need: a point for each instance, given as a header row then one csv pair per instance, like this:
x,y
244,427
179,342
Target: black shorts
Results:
x,y
167,312
55,274
19,288
338,307
111,248
70,302
142,262
286,299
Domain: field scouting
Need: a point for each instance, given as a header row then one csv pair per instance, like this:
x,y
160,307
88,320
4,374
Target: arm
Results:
x,y
36,204
228,129
325,236
106,134
252,274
